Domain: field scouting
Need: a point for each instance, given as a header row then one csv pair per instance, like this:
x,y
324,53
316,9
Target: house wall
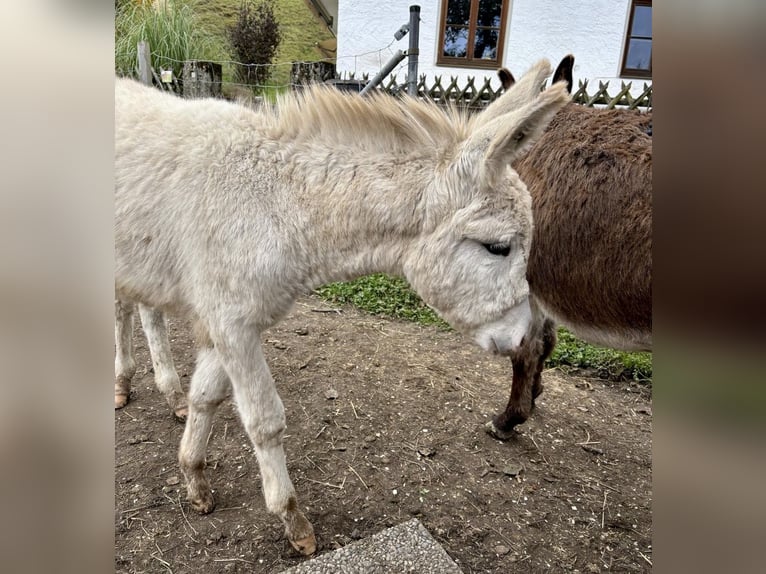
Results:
x,y
592,30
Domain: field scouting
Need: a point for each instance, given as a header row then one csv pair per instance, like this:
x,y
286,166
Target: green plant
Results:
x,y
255,38
172,31
606,363
381,294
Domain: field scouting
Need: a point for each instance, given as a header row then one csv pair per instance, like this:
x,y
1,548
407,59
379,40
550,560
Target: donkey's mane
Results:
x,y
378,122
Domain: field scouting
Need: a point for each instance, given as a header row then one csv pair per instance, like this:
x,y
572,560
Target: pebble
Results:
x,y
331,394
512,469
139,438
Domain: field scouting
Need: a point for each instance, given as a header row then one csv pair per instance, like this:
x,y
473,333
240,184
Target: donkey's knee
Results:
x,y
267,431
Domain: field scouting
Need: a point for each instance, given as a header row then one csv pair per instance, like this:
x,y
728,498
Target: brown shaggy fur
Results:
x,y
590,181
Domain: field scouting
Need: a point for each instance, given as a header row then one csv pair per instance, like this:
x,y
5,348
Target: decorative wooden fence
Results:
x,y
204,79
471,95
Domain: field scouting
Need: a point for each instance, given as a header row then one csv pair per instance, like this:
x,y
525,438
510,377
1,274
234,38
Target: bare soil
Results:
x,y
385,423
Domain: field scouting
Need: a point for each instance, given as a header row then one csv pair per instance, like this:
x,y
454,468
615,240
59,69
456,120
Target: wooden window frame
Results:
x,y
470,62
626,72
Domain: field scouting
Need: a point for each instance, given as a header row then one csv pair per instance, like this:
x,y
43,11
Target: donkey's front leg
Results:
x,y
263,416
520,402
165,374
209,386
528,362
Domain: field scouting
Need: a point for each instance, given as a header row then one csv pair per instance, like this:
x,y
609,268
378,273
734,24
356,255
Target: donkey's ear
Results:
x,y
498,144
520,93
563,72
506,78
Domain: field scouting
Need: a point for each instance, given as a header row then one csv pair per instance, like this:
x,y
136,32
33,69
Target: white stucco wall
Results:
x,y
592,30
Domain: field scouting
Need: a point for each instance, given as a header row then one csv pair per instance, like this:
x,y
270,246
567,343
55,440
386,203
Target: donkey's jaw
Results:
x,y
505,336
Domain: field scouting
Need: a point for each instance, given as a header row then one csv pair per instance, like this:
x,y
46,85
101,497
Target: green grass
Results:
x,y
392,297
382,295
606,363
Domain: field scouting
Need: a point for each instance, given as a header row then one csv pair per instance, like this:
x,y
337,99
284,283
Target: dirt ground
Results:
x,y
385,423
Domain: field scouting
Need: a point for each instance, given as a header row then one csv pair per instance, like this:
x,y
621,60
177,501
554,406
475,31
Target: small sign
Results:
x,y
166,76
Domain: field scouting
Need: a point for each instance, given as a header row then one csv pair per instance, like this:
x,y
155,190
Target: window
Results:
x,y
637,56
471,33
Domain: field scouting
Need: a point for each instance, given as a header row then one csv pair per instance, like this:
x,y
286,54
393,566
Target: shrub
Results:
x,y
254,38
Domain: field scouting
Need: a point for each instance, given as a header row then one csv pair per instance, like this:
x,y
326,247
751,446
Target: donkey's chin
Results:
x,y
506,335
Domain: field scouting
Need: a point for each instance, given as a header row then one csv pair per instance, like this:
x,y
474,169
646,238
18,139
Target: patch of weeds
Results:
x,y
383,295
606,363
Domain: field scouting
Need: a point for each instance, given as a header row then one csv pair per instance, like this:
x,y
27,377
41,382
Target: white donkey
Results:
x,y
228,214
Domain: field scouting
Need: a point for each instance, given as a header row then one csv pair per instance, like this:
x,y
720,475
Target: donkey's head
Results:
x,y
470,264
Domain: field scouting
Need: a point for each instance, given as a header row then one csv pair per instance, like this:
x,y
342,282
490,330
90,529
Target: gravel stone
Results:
x,y
406,548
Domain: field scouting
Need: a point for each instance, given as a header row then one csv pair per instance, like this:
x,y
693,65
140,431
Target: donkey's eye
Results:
x,y
502,249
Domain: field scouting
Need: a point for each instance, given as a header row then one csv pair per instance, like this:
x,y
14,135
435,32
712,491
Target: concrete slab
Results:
x,y
406,548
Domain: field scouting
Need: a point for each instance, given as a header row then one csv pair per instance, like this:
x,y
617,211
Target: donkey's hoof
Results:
x,y
298,529
305,546
121,399
181,413
495,432
121,392
203,504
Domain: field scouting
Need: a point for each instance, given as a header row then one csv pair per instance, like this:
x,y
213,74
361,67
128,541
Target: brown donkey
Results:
x,y
590,266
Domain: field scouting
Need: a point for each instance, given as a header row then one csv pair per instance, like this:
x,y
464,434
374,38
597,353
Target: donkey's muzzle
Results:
x,y
506,335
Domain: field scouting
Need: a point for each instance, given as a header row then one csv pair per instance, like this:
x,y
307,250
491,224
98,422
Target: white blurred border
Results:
x,y
56,286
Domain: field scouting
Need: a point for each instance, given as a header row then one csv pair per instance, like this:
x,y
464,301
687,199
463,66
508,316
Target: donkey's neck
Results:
x,y
363,215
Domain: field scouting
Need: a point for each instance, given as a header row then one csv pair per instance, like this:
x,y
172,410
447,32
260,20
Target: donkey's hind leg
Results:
x,y
165,374
263,416
208,388
124,358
